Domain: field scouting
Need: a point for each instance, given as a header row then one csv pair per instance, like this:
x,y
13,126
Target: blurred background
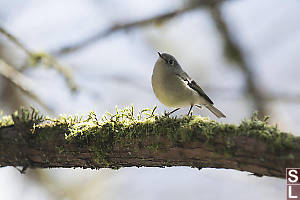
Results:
x,y
76,56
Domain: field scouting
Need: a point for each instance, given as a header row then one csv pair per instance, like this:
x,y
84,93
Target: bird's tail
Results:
x,y
214,110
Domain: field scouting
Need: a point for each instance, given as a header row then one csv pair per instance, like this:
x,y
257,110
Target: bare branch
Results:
x,y
36,57
234,52
15,40
22,82
50,61
119,27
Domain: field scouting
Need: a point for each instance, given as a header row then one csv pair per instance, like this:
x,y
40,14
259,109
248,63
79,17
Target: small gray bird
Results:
x,y
174,88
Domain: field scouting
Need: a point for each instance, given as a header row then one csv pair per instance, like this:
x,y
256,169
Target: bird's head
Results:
x,y
168,59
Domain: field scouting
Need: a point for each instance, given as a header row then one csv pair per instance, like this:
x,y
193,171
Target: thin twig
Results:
x,y
22,82
15,41
118,27
36,57
50,61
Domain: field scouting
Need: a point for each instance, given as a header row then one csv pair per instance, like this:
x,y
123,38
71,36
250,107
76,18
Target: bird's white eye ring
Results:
x,y
171,62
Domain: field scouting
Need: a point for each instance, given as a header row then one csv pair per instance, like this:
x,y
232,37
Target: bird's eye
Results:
x,y
171,62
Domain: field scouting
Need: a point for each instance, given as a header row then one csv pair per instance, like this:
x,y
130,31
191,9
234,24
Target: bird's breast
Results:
x,y
170,89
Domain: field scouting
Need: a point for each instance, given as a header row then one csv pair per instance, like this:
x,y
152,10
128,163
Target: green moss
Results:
x,y
28,115
5,120
124,126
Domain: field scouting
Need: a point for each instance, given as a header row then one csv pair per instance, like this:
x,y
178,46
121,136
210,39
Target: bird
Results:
x,y
174,88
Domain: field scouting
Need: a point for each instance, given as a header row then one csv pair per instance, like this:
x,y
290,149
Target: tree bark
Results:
x,y
252,146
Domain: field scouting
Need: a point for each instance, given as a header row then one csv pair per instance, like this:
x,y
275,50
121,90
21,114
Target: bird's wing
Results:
x,y
184,76
193,85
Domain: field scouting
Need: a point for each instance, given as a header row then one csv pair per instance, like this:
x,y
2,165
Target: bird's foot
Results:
x,y
169,113
199,106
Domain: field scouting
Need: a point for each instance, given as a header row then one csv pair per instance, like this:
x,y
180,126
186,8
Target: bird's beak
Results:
x,y
162,57
159,54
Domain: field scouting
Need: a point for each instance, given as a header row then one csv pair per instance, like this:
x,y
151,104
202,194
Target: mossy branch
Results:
x,y
128,139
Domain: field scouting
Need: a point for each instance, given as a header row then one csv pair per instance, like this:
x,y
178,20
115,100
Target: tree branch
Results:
x,y
121,140
126,26
13,39
36,58
234,52
22,82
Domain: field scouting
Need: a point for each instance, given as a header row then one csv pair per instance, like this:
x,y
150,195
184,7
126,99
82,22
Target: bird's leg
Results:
x,y
190,110
172,111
